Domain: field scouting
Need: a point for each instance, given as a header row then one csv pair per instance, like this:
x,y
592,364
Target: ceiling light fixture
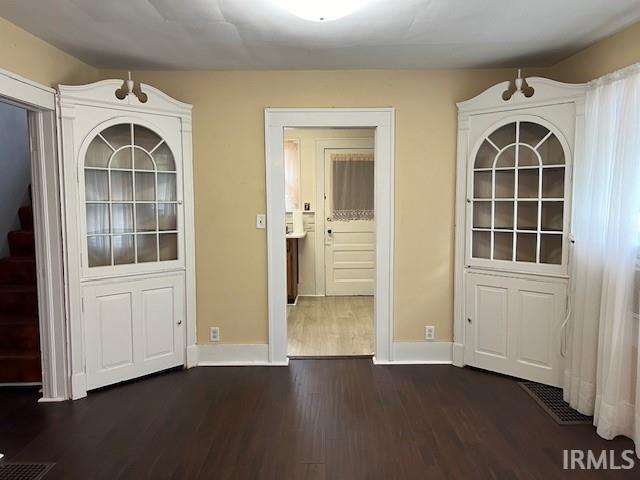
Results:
x,y
321,10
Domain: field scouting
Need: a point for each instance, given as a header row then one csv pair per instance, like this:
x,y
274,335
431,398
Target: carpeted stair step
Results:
x,y
19,335
19,300
22,243
26,217
20,368
18,271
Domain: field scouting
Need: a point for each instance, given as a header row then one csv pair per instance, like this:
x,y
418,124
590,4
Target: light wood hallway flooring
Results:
x,y
330,326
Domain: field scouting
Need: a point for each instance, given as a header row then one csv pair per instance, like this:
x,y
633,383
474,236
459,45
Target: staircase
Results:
x,y
19,336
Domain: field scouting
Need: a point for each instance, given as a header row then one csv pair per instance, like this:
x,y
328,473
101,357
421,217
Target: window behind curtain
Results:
x,y
292,174
353,186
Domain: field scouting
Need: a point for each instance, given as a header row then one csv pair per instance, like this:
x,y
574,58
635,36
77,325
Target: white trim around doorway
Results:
x,y
276,120
39,101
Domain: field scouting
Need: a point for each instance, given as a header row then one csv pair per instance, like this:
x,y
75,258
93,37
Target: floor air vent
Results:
x,y
24,470
550,398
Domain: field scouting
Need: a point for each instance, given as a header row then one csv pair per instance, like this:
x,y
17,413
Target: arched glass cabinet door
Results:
x,y
519,197
131,198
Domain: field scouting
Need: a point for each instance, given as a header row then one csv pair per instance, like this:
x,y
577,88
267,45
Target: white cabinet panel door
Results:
x,y
133,328
349,244
513,326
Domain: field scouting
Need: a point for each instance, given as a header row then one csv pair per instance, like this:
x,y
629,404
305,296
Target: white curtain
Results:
x,y
602,360
353,186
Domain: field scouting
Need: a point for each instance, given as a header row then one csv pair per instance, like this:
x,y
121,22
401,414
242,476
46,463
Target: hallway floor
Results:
x,y
316,419
330,326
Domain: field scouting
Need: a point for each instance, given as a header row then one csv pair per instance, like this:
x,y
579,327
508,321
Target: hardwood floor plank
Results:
x,y
317,420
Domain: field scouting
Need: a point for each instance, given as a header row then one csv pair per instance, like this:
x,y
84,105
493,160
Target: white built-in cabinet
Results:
x,y
517,150
126,161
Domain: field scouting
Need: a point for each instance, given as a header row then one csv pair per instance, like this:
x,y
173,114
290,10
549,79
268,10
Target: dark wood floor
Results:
x,y
317,419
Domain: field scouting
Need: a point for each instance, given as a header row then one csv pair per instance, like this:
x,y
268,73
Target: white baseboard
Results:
x,y
230,354
78,386
51,400
192,356
458,354
422,353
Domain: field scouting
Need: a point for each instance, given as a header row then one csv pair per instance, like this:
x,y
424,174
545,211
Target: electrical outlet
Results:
x,y
261,221
214,334
429,332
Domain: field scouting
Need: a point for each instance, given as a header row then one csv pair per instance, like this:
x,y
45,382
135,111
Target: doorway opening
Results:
x,y
370,268
330,244
20,362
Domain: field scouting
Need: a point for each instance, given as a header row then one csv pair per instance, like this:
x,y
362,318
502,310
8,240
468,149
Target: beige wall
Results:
x,y
611,54
230,177
26,55
230,184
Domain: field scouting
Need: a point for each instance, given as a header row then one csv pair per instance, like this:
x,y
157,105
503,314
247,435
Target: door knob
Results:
x,y
329,231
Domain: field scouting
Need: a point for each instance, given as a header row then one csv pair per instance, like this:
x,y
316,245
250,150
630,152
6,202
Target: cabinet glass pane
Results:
x,y
532,133
167,216
527,215
168,246
96,185
503,246
528,183
481,245
485,156
482,185
553,183
97,218
527,157
121,159
118,135
98,154
121,186
507,158
551,249
551,151
526,247
99,251
552,213
145,186
142,160
147,248
122,218
482,214
145,217
505,183
164,158
504,215
167,187
504,136
145,138
123,249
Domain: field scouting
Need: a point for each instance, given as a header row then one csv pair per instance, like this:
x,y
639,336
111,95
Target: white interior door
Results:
x,y
133,328
349,224
513,326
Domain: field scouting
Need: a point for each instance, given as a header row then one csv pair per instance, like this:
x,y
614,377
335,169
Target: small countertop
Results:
x,y
296,235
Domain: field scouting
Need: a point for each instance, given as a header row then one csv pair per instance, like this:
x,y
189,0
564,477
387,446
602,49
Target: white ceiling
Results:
x,y
257,34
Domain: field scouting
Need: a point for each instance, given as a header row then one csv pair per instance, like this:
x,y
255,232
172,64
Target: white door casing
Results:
x,y
349,245
382,119
104,300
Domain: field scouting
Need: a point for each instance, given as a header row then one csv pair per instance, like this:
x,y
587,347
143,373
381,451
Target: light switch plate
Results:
x,y
261,221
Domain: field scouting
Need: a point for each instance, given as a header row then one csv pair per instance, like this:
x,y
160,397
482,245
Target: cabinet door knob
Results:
x,y
179,322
